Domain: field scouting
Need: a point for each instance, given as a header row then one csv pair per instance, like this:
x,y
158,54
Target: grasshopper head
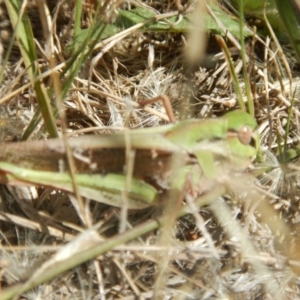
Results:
x,y
242,135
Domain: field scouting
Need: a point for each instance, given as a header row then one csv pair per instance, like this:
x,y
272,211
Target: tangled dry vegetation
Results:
x,y
243,245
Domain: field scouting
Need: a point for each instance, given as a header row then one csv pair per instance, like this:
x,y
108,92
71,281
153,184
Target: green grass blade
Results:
x,y
233,74
289,11
244,59
25,38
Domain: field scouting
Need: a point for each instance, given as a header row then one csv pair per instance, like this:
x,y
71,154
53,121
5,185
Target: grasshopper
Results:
x,y
204,148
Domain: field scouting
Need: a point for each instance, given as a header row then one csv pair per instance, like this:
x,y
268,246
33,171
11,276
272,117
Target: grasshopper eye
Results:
x,y
245,135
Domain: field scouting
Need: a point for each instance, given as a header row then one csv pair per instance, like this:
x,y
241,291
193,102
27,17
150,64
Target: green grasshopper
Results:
x,y
204,148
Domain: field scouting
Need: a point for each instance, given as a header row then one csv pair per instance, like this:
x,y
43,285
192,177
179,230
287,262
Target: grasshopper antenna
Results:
x,y
166,102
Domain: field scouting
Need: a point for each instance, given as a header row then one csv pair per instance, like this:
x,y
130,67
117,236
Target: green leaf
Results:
x,y
230,22
129,18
